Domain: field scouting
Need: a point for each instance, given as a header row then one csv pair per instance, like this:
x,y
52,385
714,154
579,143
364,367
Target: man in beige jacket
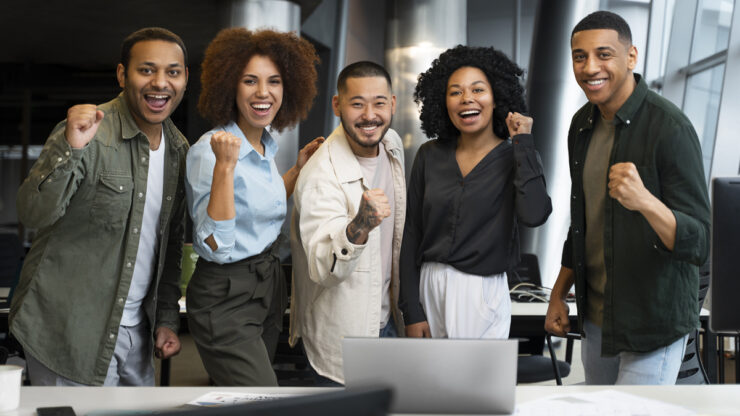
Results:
x,y
350,205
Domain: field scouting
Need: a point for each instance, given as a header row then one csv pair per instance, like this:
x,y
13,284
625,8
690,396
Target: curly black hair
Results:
x,y
228,54
503,75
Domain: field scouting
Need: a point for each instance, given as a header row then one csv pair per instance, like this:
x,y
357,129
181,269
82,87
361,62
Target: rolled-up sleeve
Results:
x,y
199,177
332,258
684,192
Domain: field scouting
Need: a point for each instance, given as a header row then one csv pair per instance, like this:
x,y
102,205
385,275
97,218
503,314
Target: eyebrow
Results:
x,y
377,97
480,81
172,65
255,76
600,48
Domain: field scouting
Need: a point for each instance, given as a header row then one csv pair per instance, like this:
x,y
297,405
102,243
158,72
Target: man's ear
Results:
x,y
335,105
393,104
632,57
121,75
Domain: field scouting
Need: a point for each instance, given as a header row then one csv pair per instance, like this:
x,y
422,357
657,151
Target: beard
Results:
x,y
351,130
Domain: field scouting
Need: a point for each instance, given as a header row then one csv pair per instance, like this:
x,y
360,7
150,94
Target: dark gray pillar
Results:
x,y
553,97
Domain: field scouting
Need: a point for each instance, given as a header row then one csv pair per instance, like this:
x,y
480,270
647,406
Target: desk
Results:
x,y
527,320
713,399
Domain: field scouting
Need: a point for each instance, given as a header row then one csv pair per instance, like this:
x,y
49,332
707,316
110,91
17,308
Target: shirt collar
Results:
x,y
129,129
628,110
271,145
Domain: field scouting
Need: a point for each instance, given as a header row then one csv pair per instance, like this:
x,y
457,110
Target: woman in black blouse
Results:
x,y
469,189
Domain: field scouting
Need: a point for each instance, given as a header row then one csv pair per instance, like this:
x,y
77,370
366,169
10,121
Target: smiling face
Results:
x,y
259,95
366,107
154,82
470,101
603,65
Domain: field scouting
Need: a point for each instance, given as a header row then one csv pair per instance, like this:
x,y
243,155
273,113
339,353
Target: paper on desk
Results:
x,y
216,398
601,403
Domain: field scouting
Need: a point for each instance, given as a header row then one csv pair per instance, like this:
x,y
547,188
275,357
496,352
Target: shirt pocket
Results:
x,y
112,201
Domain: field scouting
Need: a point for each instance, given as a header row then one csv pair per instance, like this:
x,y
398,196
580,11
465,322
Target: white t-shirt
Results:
x,y
146,255
377,172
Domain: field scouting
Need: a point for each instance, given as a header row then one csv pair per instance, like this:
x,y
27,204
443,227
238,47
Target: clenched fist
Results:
x,y
226,147
374,206
518,124
625,185
83,121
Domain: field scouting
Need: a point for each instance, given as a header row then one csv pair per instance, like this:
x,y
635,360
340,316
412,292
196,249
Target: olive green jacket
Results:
x,y
87,205
650,298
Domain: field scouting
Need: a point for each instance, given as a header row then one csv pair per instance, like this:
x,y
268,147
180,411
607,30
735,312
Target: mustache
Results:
x,y
369,124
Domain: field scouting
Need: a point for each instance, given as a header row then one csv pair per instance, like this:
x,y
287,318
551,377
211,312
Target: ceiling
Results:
x,y
87,33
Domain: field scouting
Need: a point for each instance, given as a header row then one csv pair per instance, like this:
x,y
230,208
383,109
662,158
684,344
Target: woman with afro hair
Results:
x,y
469,189
237,198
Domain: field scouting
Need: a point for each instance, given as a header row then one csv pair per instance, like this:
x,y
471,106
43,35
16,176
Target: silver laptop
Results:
x,y
436,375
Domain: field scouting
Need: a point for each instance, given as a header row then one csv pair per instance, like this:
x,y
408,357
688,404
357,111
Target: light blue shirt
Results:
x,y
259,199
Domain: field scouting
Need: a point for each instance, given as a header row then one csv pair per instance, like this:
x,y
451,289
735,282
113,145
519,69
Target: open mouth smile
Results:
x,y
157,102
262,109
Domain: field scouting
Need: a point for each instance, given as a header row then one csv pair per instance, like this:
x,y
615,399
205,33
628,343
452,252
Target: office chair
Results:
x,y
692,370
525,285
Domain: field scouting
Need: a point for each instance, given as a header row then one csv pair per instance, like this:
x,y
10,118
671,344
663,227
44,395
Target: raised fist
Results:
x,y
374,206
518,124
83,121
226,147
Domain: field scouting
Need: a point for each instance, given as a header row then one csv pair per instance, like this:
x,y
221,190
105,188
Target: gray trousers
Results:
x,y
235,314
131,364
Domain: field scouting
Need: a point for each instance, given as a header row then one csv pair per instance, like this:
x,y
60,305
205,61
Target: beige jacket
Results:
x,y
337,285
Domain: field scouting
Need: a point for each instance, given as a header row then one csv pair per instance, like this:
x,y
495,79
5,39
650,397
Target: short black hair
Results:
x,y
503,75
362,69
605,20
150,33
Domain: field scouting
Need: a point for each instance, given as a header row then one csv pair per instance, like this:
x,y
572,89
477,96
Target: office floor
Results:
x,y
187,369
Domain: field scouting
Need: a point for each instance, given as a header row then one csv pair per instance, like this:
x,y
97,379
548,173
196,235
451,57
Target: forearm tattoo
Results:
x,y
367,219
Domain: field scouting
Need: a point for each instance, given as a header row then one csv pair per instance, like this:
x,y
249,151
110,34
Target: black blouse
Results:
x,y
469,223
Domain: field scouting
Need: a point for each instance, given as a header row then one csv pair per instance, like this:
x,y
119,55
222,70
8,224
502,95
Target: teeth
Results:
x,y
595,82
469,113
369,128
157,97
261,106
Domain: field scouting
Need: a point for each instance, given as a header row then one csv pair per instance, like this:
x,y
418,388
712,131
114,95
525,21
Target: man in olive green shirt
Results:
x,y
639,217
99,288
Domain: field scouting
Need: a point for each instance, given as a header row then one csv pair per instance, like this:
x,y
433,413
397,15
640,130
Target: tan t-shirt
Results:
x,y
595,179
378,174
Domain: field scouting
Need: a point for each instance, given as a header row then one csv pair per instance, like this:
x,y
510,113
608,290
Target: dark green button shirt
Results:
x,y
650,294
85,204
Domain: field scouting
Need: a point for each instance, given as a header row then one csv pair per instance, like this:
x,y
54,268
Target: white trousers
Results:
x,y
461,305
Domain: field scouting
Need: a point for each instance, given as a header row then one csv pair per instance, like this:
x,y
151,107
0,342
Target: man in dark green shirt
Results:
x,y
639,217
99,288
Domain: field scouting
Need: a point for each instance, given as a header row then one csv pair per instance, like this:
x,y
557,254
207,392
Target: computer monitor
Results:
x,y
359,402
725,280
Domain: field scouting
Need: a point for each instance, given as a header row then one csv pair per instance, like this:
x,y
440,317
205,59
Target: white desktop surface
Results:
x,y
540,309
713,399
